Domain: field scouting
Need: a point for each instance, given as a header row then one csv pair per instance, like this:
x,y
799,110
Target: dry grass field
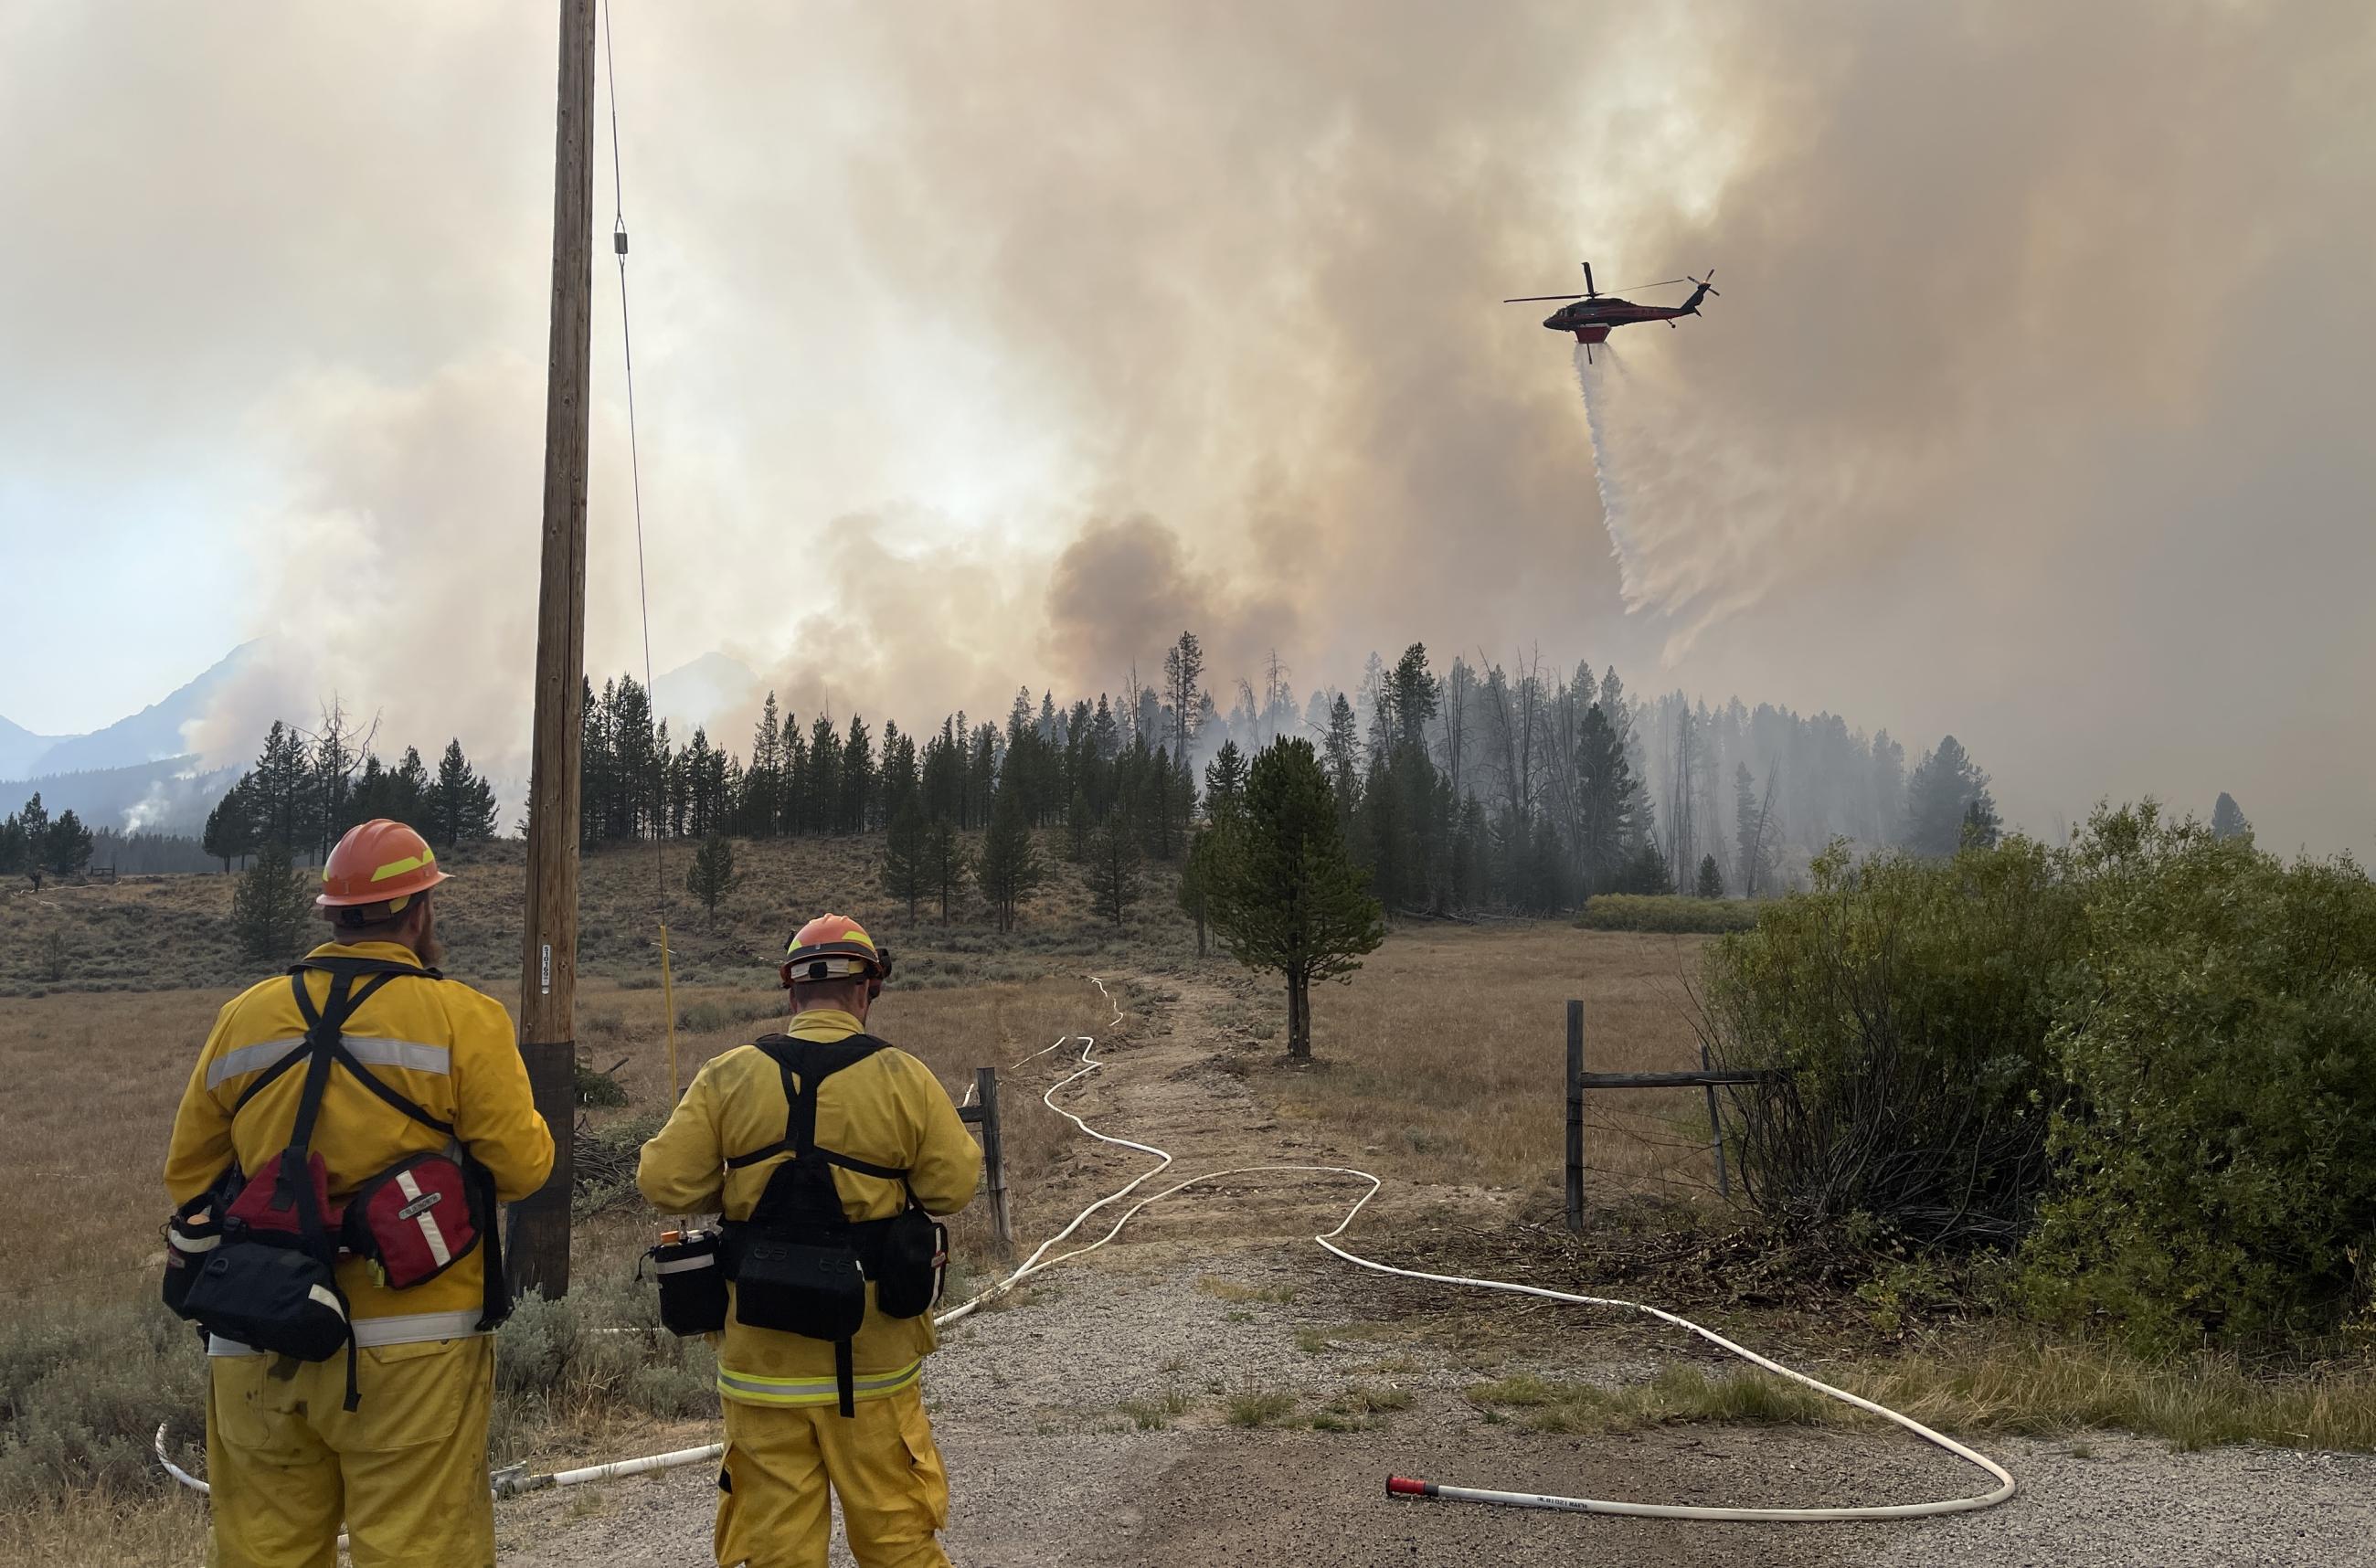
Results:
x,y
1447,1055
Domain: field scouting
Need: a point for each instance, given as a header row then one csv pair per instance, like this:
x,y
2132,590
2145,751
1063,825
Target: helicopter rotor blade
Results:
x,y
1530,299
1708,284
1637,288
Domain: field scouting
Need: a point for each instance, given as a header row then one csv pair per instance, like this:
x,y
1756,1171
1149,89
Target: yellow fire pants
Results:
x,y
881,1463
406,1470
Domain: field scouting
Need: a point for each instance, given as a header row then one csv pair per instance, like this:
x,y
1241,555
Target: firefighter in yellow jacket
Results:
x,y
878,1113
405,1468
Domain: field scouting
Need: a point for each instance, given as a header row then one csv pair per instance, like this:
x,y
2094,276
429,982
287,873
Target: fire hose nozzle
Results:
x,y
1403,1485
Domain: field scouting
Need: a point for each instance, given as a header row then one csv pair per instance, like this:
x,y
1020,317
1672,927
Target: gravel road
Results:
x,y
1088,1422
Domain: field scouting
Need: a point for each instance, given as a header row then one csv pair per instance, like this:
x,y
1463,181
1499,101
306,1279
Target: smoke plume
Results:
x,y
1000,348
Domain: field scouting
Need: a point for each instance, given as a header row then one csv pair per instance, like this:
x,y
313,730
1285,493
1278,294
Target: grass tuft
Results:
x,y
1259,1407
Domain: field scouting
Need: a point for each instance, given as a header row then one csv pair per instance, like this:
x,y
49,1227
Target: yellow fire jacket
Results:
x,y
446,1048
888,1109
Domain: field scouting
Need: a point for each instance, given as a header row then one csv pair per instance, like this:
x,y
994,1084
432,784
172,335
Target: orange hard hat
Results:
x,y
835,947
378,861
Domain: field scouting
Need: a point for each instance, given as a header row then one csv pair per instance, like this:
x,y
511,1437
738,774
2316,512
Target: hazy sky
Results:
x,y
984,345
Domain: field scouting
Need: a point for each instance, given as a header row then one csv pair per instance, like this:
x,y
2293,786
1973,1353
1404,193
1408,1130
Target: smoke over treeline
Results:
x,y
974,347
1476,785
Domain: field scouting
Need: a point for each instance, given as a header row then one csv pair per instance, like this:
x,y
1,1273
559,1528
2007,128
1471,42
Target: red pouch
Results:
x,y
255,1210
413,1219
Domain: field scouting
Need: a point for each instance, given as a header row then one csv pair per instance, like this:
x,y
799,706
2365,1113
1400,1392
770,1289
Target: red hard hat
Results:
x,y
377,862
835,947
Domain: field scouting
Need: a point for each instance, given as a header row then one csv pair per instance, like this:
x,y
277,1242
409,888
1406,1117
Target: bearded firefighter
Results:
x,y
826,1152
338,1158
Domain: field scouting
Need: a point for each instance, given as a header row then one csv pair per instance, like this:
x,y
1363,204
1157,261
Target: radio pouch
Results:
x,y
693,1283
414,1219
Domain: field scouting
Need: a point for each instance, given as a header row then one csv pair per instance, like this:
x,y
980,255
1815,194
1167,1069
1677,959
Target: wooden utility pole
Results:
x,y
538,1254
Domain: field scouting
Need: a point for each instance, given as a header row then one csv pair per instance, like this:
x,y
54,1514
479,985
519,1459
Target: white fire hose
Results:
x,y
1396,1485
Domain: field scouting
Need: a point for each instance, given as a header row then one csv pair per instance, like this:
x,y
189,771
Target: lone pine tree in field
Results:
x,y
270,905
711,875
1711,885
1284,894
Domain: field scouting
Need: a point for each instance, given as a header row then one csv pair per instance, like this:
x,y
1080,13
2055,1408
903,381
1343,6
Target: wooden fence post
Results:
x,y
994,1155
1716,1130
1575,1117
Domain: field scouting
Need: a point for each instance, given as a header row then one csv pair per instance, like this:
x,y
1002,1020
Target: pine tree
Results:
x,y
1284,894
1010,864
1981,826
65,847
946,865
461,805
1753,828
711,875
1079,830
1225,780
32,838
1939,795
1196,872
284,814
905,873
1607,791
1184,668
230,826
2228,819
1343,754
761,802
858,781
1711,883
269,908
1113,872
14,853
1645,870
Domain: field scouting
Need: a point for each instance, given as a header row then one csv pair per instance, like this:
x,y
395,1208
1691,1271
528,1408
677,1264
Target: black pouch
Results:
x,y
911,1263
818,1292
277,1299
693,1283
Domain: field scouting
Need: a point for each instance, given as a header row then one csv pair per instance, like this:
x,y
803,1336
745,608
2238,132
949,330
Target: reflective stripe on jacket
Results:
x,y
888,1109
446,1048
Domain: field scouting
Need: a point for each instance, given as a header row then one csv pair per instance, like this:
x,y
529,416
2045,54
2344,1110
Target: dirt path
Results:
x,y
1093,1420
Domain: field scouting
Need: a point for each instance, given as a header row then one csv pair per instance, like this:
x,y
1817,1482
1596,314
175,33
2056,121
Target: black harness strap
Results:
x,y
323,1029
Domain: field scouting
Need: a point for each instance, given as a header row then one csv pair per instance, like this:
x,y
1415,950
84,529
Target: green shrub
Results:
x,y
1666,913
82,1393
2219,1156
554,1358
1909,1003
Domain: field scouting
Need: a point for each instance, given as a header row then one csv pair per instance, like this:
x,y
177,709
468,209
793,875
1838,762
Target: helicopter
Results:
x,y
1595,315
